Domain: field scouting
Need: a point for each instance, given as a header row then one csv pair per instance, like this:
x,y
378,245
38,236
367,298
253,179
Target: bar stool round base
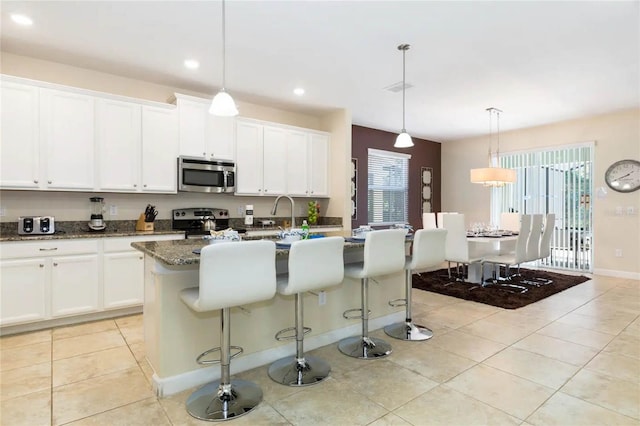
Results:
x,y
287,371
368,348
207,404
408,331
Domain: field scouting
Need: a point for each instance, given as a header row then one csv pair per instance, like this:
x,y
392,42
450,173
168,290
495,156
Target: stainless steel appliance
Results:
x,y
36,225
199,221
200,175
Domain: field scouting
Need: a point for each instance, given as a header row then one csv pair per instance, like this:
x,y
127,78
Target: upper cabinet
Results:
x,y
20,136
67,135
273,159
203,134
61,138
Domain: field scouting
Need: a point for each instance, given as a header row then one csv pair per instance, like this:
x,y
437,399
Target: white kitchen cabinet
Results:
x,y
159,149
318,161
20,136
45,279
23,291
274,153
261,155
74,284
203,134
278,159
297,163
123,268
67,138
118,137
249,161
123,273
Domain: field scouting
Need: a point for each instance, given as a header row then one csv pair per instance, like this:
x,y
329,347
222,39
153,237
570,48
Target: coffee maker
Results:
x,y
97,219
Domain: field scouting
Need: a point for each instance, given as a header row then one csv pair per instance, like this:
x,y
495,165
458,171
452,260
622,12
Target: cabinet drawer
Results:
x,y
16,250
124,243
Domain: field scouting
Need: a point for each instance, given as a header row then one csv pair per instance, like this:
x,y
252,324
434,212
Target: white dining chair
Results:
x,y
429,221
545,246
440,217
457,247
533,243
511,259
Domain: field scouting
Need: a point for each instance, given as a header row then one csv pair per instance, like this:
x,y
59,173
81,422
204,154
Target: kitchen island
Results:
x,y
175,335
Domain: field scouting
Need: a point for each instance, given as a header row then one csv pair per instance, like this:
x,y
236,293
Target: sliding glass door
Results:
x,y
554,181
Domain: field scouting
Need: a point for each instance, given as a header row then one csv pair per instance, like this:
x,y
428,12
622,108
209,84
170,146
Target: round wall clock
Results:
x,y
623,176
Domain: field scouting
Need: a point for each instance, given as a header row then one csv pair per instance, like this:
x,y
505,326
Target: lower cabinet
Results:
x,y
122,272
74,285
23,292
53,279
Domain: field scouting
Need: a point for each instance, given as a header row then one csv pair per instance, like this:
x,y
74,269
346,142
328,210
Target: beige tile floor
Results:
x,y
571,359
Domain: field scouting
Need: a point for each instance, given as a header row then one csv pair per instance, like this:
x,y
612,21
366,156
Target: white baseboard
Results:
x,y
617,274
166,386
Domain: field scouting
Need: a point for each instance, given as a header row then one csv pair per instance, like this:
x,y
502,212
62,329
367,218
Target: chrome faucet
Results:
x,y
293,204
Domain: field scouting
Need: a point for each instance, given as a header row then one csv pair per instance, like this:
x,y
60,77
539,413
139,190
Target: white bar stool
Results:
x,y
231,274
427,253
384,254
313,264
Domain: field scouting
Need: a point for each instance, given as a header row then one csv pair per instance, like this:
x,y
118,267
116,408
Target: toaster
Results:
x,y
36,225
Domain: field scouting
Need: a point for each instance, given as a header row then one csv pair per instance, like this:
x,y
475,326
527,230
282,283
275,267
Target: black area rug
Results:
x,y
438,282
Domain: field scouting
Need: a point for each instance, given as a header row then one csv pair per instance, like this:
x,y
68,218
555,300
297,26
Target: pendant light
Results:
x,y
493,176
223,104
403,140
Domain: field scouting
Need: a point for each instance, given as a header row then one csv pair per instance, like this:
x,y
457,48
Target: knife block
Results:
x,y
141,225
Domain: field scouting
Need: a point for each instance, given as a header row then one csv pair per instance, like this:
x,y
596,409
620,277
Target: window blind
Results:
x,y
388,187
558,181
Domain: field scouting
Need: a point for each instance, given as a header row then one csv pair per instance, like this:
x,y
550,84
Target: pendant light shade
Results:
x,y
403,140
493,176
222,104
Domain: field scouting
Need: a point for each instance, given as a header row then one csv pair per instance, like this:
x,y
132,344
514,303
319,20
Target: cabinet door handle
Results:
x,y
49,249
204,154
145,185
49,182
35,181
135,185
55,264
42,265
141,257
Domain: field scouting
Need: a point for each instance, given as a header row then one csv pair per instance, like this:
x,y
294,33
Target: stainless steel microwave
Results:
x,y
200,175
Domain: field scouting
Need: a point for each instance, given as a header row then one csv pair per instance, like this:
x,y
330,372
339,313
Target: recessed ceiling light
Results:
x,y
192,64
298,91
21,19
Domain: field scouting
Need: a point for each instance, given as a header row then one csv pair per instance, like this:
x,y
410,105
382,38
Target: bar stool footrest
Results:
x,y
200,361
397,302
346,314
279,335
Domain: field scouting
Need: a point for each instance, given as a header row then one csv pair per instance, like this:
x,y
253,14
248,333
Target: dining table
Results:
x,y
484,243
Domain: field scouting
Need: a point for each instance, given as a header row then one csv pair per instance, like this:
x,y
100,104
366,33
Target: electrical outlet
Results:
x,y
322,298
631,210
240,210
618,252
619,211
113,210
3,211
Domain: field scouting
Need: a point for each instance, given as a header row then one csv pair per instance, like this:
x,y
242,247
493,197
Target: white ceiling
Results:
x,y
539,61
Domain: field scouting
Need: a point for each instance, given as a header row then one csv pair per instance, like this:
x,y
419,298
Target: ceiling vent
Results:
x,y
397,87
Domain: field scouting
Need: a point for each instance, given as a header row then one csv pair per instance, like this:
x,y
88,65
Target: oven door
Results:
x,y
197,175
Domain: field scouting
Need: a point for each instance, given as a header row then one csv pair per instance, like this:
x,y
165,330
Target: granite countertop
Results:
x,y
180,252
75,230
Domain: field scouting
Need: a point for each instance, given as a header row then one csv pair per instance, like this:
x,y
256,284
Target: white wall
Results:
x,y
617,136
75,206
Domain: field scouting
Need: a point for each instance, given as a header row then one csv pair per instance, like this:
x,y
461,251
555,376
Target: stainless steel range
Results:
x,y
199,221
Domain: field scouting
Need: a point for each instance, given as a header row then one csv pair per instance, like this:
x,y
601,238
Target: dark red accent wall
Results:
x,y
424,153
